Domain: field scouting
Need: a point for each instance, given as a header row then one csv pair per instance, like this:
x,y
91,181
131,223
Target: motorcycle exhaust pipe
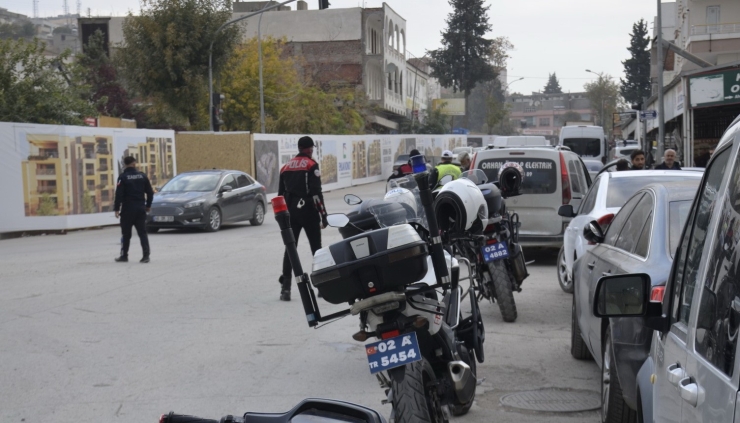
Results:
x,y
518,266
463,380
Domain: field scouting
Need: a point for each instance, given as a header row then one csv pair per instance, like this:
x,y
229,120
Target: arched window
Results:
x,y
403,42
390,81
398,39
400,84
390,34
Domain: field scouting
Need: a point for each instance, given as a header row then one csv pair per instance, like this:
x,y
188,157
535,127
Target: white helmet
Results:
x,y
406,198
460,206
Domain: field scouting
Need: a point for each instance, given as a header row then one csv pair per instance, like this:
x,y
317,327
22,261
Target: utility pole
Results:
x,y
35,8
661,105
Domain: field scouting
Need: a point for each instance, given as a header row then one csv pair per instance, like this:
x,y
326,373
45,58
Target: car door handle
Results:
x,y
690,391
675,373
591,265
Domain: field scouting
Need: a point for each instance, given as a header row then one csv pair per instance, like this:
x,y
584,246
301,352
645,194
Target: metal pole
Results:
x,y
644,125
210,51
262,90
661,106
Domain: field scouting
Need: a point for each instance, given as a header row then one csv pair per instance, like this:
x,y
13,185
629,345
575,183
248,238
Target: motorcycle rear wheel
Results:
x,y
415,396
502,285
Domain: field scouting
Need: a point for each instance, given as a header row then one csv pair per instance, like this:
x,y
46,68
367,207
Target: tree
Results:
x,y
570,116
62,30
88,204
604,97
487,100
553,85
434,122
165,52
47,206
464,59
291,105
95,69
636,85
14,31
35,88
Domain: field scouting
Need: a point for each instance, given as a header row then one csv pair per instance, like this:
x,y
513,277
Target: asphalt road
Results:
x,y
200,330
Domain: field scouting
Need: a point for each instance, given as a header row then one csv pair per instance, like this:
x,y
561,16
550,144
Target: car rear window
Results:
x,y
678,211
590,147
621,189
540,175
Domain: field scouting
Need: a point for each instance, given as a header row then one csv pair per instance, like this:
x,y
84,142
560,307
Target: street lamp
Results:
x,y
501,124
507,85
210,54
601,112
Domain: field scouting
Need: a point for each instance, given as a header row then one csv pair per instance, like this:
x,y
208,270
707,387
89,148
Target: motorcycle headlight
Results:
x,y
401,235
323,259
196,203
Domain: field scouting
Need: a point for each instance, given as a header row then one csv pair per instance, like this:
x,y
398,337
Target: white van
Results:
x,y
585,140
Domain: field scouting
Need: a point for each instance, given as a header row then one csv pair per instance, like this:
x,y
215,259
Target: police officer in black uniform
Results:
x,y
300,184
130,190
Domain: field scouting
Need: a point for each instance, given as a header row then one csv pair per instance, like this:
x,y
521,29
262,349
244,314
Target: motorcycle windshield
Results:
x,y
476,176
402,204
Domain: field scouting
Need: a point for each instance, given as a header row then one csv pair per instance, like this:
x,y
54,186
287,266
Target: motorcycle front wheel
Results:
x,y
415,397
502,286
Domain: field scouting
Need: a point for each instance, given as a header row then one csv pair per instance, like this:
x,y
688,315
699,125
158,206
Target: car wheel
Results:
x,y
259,215
564,279
613,407
214,219
151,230
578,348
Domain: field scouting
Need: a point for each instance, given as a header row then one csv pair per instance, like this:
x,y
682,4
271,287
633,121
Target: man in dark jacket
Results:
x,y
669,161
132,208
404,169
300,184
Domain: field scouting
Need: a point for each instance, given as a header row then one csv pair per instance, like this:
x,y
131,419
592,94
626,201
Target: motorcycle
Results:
x,y
493,251
308,411
404,287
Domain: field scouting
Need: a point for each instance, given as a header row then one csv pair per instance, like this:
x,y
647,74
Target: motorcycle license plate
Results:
x,y
495,252
393,352
164,218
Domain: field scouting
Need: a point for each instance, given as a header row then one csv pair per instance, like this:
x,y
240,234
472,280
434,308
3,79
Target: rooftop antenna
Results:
x,y
66,8
35,8
79,8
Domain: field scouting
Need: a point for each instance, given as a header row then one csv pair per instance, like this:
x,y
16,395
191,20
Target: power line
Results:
x,y
544,77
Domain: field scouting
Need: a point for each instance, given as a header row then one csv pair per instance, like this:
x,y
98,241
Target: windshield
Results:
x,y
584,147
621,189
678,211
202,182
540,176
477,176
401,204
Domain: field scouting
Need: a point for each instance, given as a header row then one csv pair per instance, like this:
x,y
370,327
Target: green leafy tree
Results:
x,y
434,122
88,204
553,85
15,31
36,89
570,116
62,30
165,53
605,99
636,84
47,206
465,57
96,70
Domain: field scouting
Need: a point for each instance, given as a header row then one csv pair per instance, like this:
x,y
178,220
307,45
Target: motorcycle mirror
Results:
x,y
337,220
352,200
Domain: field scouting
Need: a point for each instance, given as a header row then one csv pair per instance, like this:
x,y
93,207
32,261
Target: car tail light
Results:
x,y
565,180
656,294
491,242
472,162
390,334
605,220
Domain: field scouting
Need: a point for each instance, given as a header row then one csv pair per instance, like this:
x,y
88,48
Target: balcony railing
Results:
x,y
46,171
46,190
103,151
731,28
89,172
103,168
42,157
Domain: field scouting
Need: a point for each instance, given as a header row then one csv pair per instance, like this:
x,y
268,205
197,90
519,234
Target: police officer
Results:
x,y
446,167
132,208
300,184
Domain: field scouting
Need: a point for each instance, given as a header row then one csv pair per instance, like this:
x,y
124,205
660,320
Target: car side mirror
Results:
x,y
352,200
226,188
622,295
337,220
566,210
593,233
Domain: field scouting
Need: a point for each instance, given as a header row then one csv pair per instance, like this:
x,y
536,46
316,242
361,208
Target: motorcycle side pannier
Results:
x,y
369,264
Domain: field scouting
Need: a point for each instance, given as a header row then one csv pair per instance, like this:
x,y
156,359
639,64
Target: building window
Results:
x,y
544,121
400,84
390,82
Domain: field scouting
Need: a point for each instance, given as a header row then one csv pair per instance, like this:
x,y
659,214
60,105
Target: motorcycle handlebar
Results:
x,y
181,418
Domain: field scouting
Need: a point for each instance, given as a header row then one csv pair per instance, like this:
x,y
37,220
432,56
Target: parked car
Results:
x,y
641,239
553,176
593,166
206,199
691,374
606,196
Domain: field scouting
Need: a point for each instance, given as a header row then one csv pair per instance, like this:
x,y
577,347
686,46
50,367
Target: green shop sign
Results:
x,y
715,89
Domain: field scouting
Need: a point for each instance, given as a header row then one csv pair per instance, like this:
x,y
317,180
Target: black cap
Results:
x,y
305,142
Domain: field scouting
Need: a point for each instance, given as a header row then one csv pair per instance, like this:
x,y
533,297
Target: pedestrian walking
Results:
x,y
638,160
300,184
131,207
669,161
623,164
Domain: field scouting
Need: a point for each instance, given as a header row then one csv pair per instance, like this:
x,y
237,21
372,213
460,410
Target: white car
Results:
x,y
606,196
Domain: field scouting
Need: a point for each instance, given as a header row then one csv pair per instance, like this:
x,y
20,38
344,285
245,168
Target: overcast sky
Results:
x,y
565,36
